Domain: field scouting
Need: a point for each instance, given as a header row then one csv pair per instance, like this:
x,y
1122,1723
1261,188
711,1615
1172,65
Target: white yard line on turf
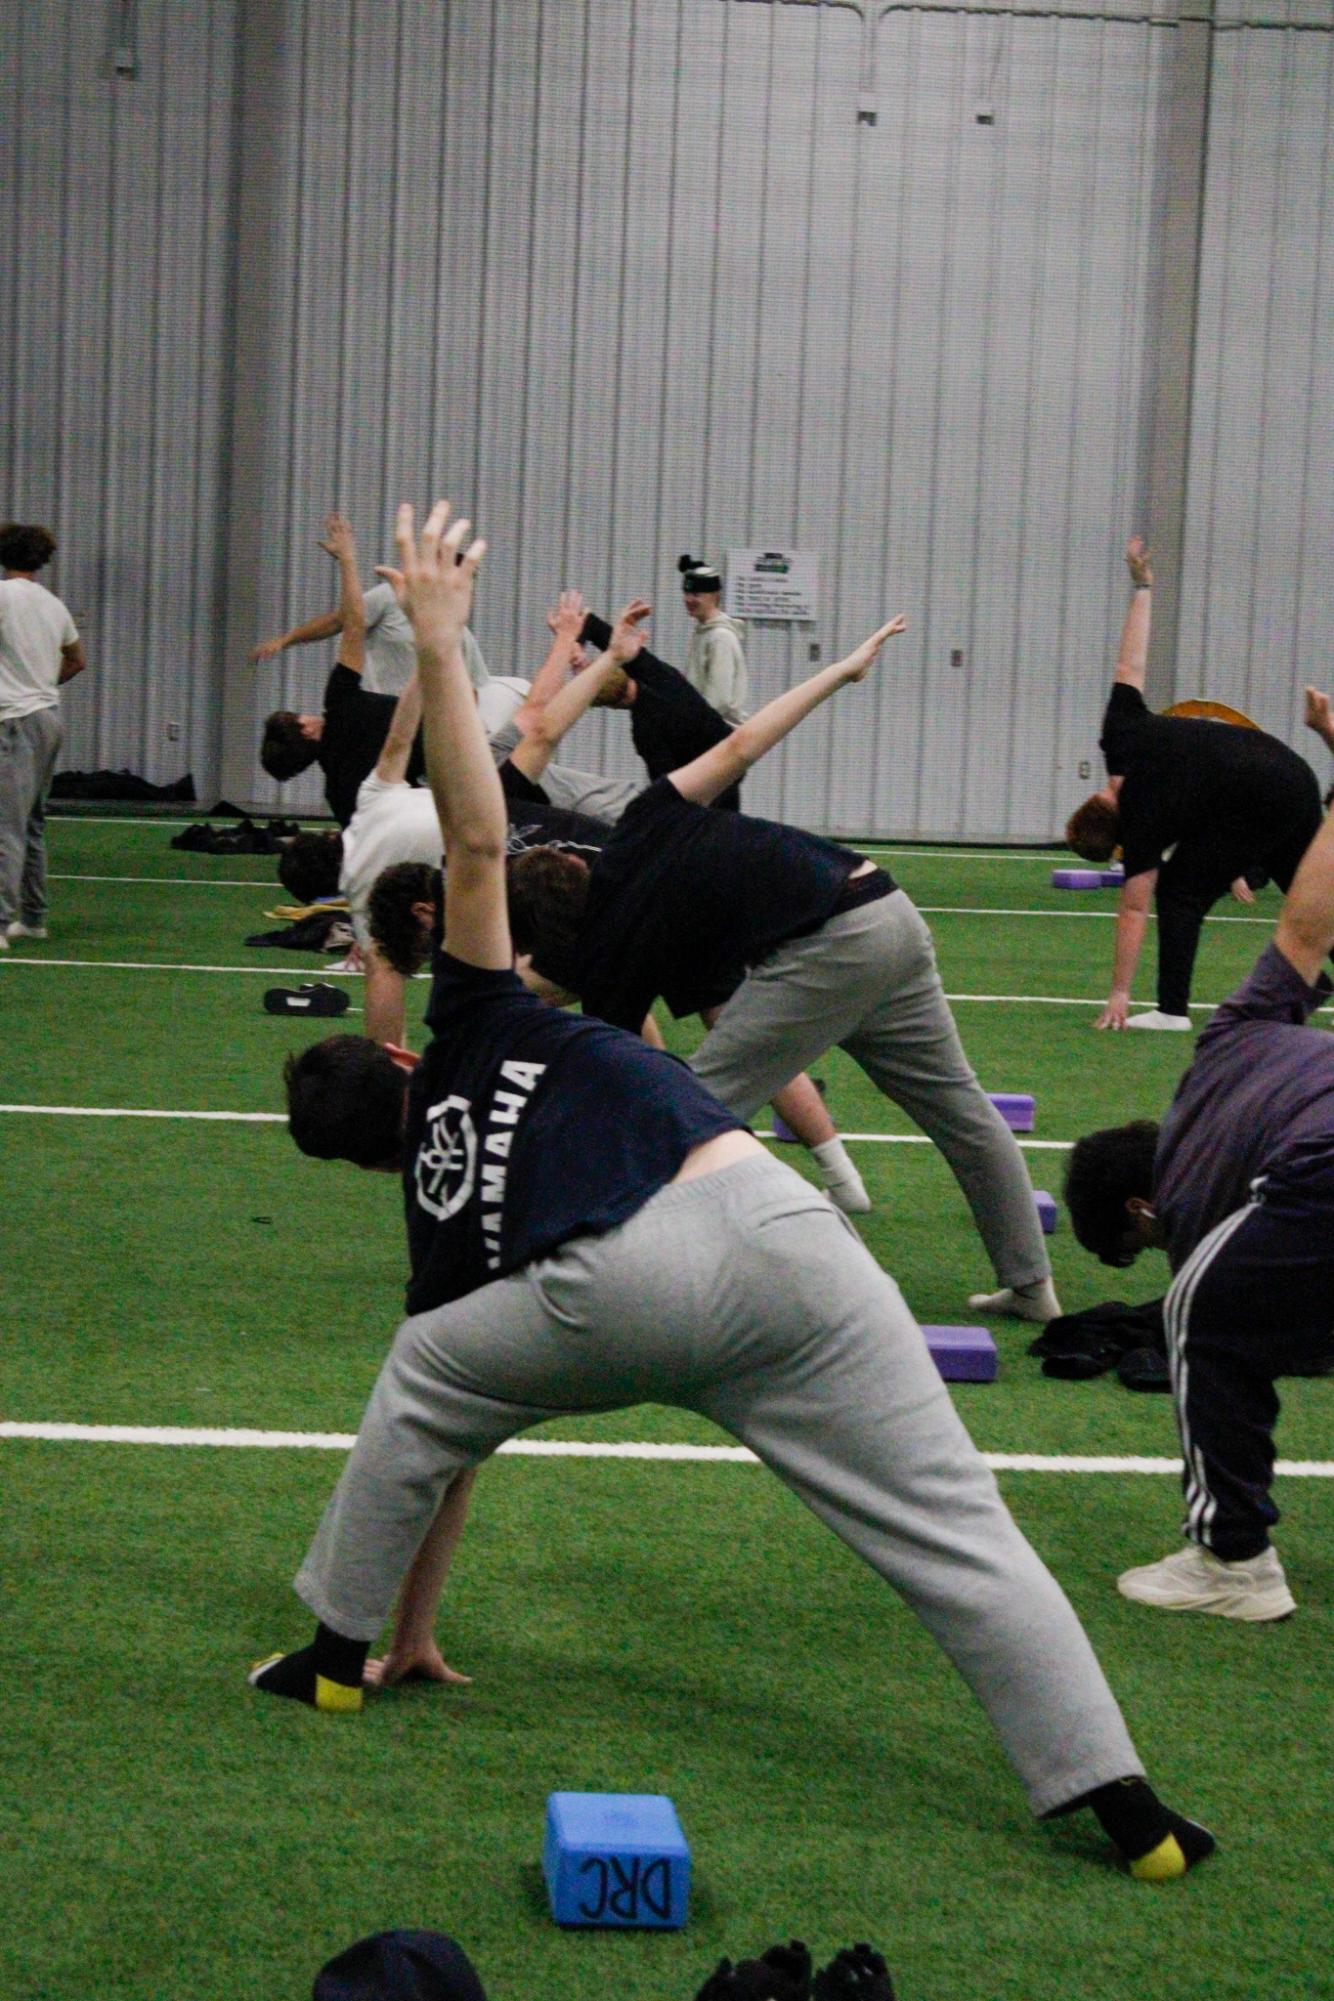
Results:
x,y
280,1118
561,1448
180,881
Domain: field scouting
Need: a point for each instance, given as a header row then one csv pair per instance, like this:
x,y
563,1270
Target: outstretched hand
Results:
x,y
627,641
338,540
860,661
433,582
420,1661
269,649
1139,562
1116,1013
566,617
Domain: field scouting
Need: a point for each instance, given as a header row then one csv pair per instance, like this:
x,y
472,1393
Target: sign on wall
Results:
x,y
773,583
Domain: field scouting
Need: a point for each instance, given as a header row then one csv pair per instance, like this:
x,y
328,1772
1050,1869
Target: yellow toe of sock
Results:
x,y
1160,1865
337,1698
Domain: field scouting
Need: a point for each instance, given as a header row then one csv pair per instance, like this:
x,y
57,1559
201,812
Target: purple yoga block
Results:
x,y
963,1354
1017,1108
1113,878
1077,878
1046,1208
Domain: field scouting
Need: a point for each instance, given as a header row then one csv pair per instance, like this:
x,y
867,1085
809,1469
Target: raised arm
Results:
x,y
708,776
1132,659
340,543
434,584
396,750
566,619
544,728
323,627
1305,934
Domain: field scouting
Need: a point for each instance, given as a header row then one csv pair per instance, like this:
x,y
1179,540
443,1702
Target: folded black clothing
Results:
x,y
111,785
307,934
1100,1334
246,838
858,1973
1144,1369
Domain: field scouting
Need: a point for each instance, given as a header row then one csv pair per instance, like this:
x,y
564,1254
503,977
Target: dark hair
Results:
x,y
25,548
1093,830
284,748
310,866
548,890
394,927
698,576
345,1101
1106,1168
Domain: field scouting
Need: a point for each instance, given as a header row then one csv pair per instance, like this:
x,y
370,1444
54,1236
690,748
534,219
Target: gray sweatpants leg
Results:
x,y
746,1296
868,981
28,748
588,792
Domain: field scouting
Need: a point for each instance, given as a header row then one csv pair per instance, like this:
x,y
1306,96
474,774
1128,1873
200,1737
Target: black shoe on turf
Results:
x,y
314,997
858,1973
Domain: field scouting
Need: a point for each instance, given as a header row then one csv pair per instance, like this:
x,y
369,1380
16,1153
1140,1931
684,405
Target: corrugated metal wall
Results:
x,y
1258,608
115,193
674,296
631,277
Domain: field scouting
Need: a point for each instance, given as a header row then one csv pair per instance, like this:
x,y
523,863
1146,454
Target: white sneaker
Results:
x,y
18,929
1176,1024
4,942
1028,1302
1193,1579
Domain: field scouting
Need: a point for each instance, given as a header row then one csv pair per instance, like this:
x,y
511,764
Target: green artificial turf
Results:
x,y
631,1626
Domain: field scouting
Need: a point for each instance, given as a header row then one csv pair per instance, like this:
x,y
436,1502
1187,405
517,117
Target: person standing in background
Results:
x,y
715,662
40,650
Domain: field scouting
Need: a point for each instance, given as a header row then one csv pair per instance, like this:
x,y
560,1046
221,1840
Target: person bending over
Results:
x,y
402,910
347,737
682,900
1193,806
1237,1186
589,1229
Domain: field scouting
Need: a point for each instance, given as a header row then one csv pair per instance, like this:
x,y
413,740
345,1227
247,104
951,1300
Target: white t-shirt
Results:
x,y
391,651
34,626
393,823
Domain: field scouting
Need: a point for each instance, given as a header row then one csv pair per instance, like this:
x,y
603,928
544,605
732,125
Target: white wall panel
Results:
x,y
1258,586
113,269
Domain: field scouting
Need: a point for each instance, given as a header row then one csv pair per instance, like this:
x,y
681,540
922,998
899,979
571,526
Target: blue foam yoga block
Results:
x,y
1046,1208
963,1354
1017,1108
1077,878
1112,878
616,1859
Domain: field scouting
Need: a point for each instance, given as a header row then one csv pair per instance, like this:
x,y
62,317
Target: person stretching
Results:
x,y
589,1229
1193,806
815,946
1238,1188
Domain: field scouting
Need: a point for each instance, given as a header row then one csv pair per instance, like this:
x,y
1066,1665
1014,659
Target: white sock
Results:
x,y
1037,1301
843,1184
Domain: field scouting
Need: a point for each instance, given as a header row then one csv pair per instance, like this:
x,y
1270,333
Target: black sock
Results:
x,y
1132,1815
338,1658
330,1656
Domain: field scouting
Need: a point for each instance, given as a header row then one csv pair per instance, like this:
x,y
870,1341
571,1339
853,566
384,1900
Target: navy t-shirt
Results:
x,y
528,1126
1182,777
1260,1089
683,899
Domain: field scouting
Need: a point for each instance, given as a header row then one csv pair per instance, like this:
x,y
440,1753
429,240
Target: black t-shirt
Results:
x,y
1240,790
683,899
535,824
355,727
528,1126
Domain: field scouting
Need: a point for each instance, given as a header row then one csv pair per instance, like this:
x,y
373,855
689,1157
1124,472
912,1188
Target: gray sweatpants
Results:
x,y
743,1295
28,747
868,981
